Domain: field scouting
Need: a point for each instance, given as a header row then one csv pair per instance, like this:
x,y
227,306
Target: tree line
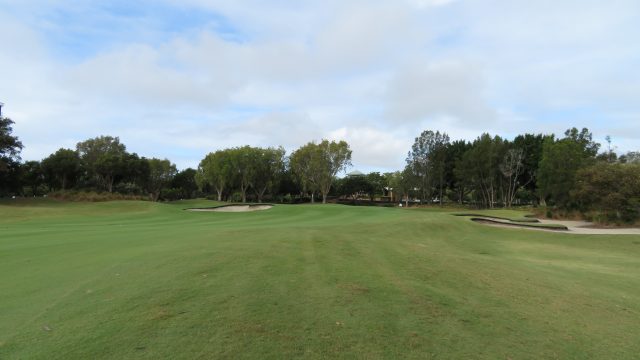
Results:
x,y
103,164
309,170
567,173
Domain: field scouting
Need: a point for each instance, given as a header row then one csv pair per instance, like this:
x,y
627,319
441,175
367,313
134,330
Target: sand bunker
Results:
x,y
235,208
570,227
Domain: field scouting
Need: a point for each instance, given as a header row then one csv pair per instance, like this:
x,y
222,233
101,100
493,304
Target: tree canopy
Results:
x,y
10,146
316,165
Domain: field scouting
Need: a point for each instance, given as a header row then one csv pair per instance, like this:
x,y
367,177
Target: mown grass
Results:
x,y
141,280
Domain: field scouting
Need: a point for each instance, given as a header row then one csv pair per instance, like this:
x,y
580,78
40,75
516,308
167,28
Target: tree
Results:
x,y
512,167
318,164
378,183
32,176
388,181
632,157
242,164
288,185
480,168
531,146
216,170
353,186
103,159
161,172
584,138
610,192
268,166
333,157
61,168
610,155
134,177
454,179
561,160
301,165
184,182
427,159
402,182
10,146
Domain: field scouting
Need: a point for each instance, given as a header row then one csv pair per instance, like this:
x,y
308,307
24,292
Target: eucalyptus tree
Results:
x,y
402,182
268,167
481,166
216,170
427,160
301,166
318,164
332,158
531,146
242,161
511,168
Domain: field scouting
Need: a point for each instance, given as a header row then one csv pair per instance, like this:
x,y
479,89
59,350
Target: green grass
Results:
x,y
138,280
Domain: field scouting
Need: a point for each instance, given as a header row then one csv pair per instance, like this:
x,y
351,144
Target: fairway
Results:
x,y
143,280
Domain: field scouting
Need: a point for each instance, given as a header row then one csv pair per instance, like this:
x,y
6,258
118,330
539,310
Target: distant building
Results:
x,y
355,173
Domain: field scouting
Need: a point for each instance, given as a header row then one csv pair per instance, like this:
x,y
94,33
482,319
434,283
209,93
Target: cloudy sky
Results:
x,y
180,78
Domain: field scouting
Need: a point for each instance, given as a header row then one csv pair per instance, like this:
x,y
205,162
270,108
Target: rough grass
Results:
x,y
139,280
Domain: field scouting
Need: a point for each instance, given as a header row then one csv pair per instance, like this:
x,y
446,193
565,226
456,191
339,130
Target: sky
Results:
x,y
178,79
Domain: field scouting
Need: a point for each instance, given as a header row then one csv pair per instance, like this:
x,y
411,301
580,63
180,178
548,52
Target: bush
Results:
x,y
171,194
608,193
92,196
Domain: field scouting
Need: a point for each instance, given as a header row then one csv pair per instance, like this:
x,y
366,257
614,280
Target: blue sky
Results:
x,y
178,79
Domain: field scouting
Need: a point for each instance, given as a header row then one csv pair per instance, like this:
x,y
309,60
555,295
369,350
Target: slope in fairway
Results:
x,y
143,280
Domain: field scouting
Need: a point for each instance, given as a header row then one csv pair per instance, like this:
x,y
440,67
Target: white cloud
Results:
x,y
374,148
375,73
442,89
430,3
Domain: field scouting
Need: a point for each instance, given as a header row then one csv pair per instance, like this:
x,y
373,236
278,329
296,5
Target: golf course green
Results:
x,y
143,280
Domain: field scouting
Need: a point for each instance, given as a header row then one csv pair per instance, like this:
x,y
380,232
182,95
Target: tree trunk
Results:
x,y
64,182
260,194
219,195
312,197
324,197
243,190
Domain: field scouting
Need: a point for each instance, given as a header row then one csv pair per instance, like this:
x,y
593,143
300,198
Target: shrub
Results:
x,y
92,196
609,193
